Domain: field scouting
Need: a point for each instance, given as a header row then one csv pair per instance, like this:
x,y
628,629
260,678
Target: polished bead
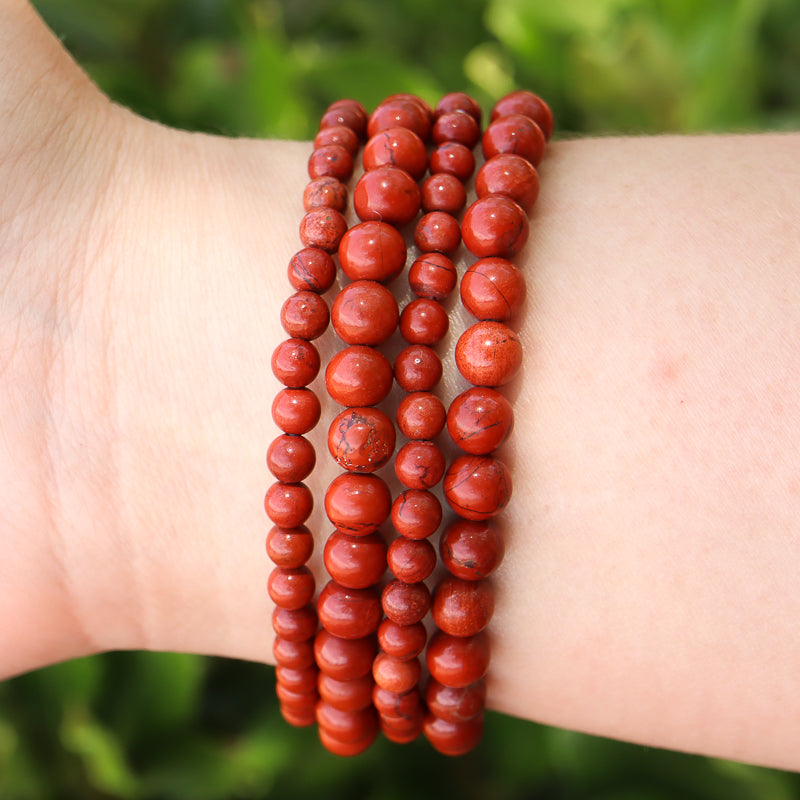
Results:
x,y
357,504
416,514
346,695
349,113
299,717
400,113
437,232
361,439
471,549
510,175
297,655
291,588
417,368
348,613
290,547
462,608
493,288
296,410
344,659
345,749
432,275
456,704
453,158
288,505
488,354
397,147
443,192
514,134
325,192
453,738
312,269
458,660
401,730
456,126
295,363
458,101
365,312
423,321
529,105
402,641
338,134
297,624
346,726
372,250
411,560
355,561
405,603
479,420
395,675
297,701
426,108
330,161
305,315
359,376
495,226
291,458
323,228
298,679
477,487
396,705
388,194
419,464
421,415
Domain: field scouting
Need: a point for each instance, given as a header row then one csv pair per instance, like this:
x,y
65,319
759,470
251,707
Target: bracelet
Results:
x,y
352,661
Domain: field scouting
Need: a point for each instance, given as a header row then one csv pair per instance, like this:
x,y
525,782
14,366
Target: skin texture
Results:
x,y
649,586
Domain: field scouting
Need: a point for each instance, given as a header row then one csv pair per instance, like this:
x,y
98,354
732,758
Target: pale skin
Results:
x,y
649,587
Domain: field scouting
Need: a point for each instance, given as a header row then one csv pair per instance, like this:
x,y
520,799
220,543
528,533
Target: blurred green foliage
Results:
x,y
178,727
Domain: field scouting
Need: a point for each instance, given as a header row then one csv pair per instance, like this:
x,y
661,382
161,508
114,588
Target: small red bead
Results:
x,y
346,726
365,312
402,641
372,250
305,315
388,194
453,158
432,275
338,134
471,549
355,561
413,98
419,464
453,738
417,368
411,560
396,704
296,410
423,321
400,114
325,192
514,134
456,704
290,547
344,659
346,695
488,354
416,514
437,232
288,505
299,702
477,487
291,588
421,415
405,603
297,655
479,420
462,608
349,113
361,439
529,105
345,749
298,679
458,101
312,269
495,226
401,730
443,192
509,175
395,675
295,363
330,161
456,126
357,504
299,717
397,147
493,288
297,624
359,376
348,613
323,228
458,661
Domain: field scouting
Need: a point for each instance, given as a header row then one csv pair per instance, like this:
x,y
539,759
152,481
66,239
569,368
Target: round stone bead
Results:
x,y
462,608
514,134
529,105
493,288
405,603
295,625
443,192
323,228
456,126
402,641
291,458
395,675
288,505
456,705
359,376
417,368
419,465
426,109
388,194
402,730
510,175
344,659
397,147
458,661
291,588
299,702
355,561
299,717
411,560
357,504
331,161
312,269
495,226
303,679
365,312
295,363
488,354
296,410
361,439
290,547
305,315
432,275
421,415
477,487
471,550
346,695
372,250
345,749
296,655
458,101
423,321
325,192
348,613
453,158
396,704
346,726
399,113
416,514
437,232
479,420
349,113
453,738
338,134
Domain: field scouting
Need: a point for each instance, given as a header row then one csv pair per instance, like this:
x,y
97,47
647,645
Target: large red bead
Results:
x,y
298,679
338,134
419,464
312,269
297,655
456,126
325,192
453,158
359,376
453,738
423,321
395,675
349,113
346,726
323,228
514,134
348,613
529,105
397,147
295,363
417,368
357,504
477,487
402,641
346,695
291,458
456,704
297,624
479,420
458,101
458,660
421,415
432,275
305,315
443,192
361,439
290,547
291,588
365,312
510,175
355,561
288,505
437,232
416,514
462,608
471,549
405,603
493,288
344,659
495,226
330,161
411,560
388,194
372,250
400,113
296,410
488,354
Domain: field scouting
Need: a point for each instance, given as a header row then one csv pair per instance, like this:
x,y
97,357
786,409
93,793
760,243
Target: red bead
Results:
x,y
416,514
495,226
411,560
345,749
359,376
423,321
443,192
346,695
288,505
421,415
290,547
357,504
453,158
394,675
299,702
296,410
295,363
344,659
402,641
291,458
331,161
529,105
397,147
299,717
365,312
426,109
401,730
348,613
305,315
388,194
323,228
492,288
325,192
453,738
488,354
437,232
456,704
361,439
471,549
477,487
355,561
372,250
458,101
509,175
432,275
296,625
338,134
396,704
302,680
419,465
346,726
312,269
417,368
297,655
291,588
405,603
349,113
400,114
456,126
479,420
514,134
462,608
458,660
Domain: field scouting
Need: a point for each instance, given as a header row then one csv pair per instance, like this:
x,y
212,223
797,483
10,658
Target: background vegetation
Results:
x,y
144,725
